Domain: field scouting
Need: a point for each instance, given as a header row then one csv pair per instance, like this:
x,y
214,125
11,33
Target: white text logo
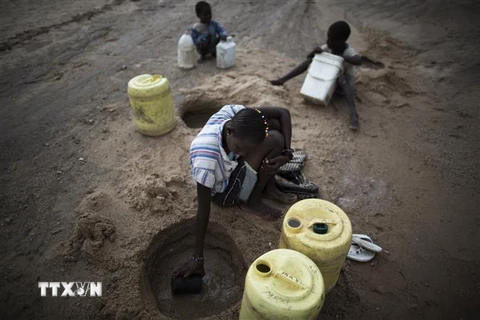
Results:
x,y
71,289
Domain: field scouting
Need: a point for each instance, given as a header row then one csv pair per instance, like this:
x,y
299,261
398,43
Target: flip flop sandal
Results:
x,y
297,162
296,177
291,167
293,176
303,196
299,156
366,242
357,253
304,190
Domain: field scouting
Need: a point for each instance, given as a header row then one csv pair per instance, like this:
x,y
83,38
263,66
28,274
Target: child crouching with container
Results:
x,y
233,161
207,33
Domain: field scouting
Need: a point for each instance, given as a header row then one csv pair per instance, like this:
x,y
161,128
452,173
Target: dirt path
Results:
x,y
84,197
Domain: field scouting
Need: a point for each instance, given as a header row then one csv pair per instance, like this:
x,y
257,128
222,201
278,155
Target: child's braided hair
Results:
x,y
251,124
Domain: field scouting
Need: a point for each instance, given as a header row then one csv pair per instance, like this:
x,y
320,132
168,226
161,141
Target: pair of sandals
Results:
x,y
290,179
362,249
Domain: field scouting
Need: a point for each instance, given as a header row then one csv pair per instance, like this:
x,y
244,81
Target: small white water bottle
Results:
x,y
226,53
186,52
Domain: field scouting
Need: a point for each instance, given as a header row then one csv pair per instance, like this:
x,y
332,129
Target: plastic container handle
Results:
x,y
325,221
335,78
151,79
290,279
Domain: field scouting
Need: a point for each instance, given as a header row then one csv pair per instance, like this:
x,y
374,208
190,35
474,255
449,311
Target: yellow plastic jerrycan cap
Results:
x,y
145,81
320,228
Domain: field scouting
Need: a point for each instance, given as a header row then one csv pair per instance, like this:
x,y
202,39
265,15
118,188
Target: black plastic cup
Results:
x,y
191,285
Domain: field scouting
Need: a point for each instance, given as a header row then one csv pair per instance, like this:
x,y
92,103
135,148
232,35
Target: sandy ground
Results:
x,y
84,197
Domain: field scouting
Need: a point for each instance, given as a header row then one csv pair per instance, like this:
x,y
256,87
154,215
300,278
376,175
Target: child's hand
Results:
x,y
272,165
315,51
189,268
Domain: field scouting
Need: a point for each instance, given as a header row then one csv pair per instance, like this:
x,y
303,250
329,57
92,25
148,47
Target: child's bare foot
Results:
x,y
202,59
277,195
262,210
354,125
277,82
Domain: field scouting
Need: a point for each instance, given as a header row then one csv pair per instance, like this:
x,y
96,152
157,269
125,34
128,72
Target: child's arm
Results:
x,y
220,30
279,119
197,36
314,52
195,265
352,57
204,197
356,60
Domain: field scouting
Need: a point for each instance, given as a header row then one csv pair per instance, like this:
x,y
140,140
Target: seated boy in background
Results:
x,y
337,37
206,33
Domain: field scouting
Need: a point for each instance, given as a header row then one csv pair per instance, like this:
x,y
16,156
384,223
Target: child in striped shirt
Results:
x,y
233,162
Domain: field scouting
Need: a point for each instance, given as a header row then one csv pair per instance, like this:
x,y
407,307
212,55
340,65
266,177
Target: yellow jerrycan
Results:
x,y
320,230
152,104
282,284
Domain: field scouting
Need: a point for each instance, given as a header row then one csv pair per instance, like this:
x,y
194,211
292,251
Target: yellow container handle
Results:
x,y
151,79
264,269
290,279
325,221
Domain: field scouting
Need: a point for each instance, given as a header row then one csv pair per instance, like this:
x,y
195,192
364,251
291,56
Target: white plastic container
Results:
x,y
226,54
321,80
186,52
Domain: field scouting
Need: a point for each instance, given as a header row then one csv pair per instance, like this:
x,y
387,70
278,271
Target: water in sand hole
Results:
x,y
196,113
224,266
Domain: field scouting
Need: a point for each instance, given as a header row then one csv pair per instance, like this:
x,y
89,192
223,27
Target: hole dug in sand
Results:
x,y
246,89
195,113
224,266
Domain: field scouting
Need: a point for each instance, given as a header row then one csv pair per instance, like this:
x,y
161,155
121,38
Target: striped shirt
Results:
x,y
210,165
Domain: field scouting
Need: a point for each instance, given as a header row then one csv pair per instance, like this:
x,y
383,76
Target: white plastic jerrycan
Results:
x,y
226,54
321,80
186,52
